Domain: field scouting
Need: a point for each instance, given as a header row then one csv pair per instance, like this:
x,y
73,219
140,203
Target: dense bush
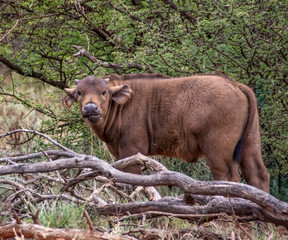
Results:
x,y
247,40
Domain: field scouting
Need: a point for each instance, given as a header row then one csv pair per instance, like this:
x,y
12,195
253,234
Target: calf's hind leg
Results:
x,y
223,169
219,160
252,165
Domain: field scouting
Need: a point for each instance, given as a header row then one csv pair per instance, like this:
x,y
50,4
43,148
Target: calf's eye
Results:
x,y
104,93
78,93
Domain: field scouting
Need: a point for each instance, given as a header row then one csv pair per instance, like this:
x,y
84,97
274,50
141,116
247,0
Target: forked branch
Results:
x,y
248,203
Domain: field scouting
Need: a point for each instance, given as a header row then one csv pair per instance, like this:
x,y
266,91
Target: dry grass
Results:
x,y
13,114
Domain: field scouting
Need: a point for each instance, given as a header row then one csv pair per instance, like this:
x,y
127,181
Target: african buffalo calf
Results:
x,y
187,117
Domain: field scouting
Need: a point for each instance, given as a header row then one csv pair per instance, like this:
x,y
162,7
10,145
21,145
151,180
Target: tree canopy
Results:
x,y
55,42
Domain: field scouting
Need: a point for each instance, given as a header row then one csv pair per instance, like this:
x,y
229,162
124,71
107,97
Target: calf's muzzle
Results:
x,y
91,112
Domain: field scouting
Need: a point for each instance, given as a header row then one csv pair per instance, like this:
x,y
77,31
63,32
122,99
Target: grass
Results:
x,y
63,215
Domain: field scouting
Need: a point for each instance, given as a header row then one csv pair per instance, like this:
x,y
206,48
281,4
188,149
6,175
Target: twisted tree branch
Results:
x,y
254,204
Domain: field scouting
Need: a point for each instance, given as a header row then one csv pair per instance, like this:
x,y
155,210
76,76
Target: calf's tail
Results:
x,y
252,105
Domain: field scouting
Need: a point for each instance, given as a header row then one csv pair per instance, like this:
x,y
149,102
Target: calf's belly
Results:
x,y
183,148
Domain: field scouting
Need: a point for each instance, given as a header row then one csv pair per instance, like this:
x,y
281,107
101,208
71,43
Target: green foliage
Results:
x,y
63,215
247,40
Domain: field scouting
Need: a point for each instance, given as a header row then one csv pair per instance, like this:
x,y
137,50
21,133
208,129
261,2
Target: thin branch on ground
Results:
x,y
40,134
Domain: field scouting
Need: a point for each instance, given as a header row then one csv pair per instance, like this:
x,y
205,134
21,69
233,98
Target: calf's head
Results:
x,y
94,95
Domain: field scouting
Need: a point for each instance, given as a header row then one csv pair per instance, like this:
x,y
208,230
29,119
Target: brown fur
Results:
x,y
147,76
184,117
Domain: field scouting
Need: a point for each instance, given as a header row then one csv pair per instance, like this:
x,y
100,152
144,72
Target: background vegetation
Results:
x,y
245,39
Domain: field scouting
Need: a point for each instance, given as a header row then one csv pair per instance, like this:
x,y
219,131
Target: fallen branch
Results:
x,y
38,133
39,232
272,210
35,155
253,205
198,233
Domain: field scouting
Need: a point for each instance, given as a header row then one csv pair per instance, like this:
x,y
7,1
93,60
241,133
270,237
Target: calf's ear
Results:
x,y
70,97
121,94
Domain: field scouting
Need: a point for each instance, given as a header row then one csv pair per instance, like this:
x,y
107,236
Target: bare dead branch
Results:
x,y
88,220
174,207
57,153
38,133
49,159
18,220
6,34
237,223
83,52
199,233
248,203
39,232
140,160
272,209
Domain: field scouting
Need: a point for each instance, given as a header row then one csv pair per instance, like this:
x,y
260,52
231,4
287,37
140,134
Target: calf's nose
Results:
x,y
90,108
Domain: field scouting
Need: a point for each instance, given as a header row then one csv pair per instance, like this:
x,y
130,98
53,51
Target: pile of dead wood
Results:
x,y
202,201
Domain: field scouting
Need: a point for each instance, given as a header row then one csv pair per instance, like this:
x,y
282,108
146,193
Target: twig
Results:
x,y
88,220
237,223
15,25
40,134
125,12
35,217
83,52
32,73
88,42
25,19
136,192
16,217
101,33
48,157
50,160
14,159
